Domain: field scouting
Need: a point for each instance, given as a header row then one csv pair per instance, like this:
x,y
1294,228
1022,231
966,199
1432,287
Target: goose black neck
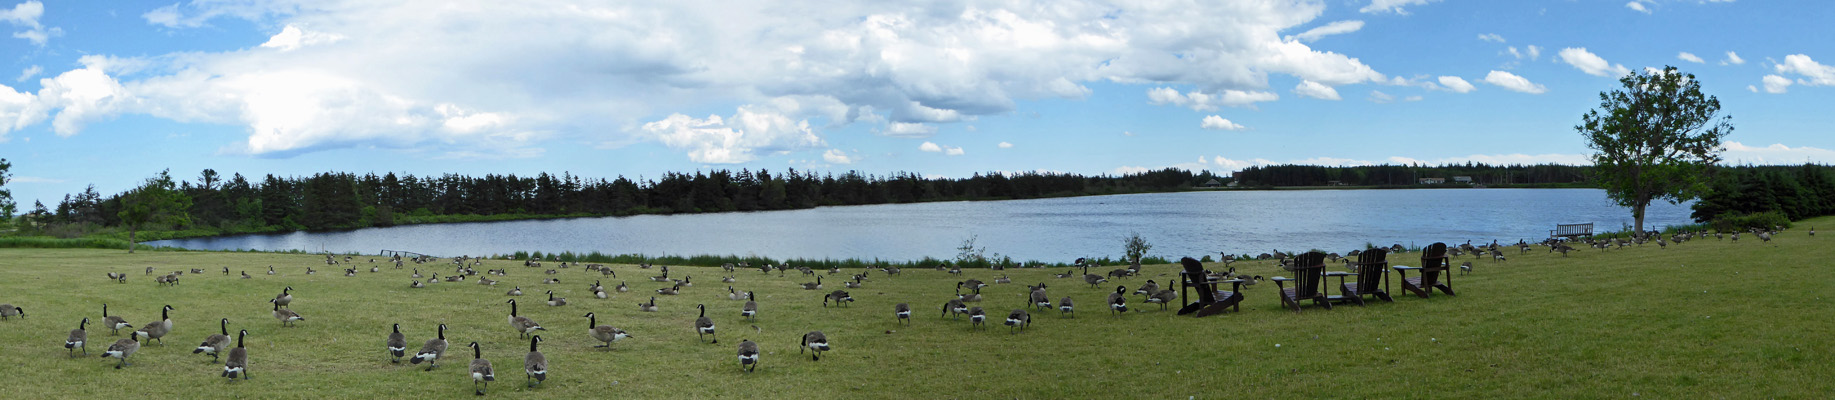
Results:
x,y
592,321
476,351
239,336
533,341
225,325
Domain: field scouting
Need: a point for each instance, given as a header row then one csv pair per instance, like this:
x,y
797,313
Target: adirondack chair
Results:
x,y
1372,270
1211,301
1433,268
1309,274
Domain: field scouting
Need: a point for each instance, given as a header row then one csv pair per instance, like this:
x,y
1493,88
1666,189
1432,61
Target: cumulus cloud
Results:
x,y
1339,27
909,129
1218,123
835,156
355,73
1590,63
1491,37
1316,90
1391,6
1456,84
1005,145
935,148
1776,153
1531,52
1637,6
1199,101
1378,97
1775,84
1813,73
1690,57
25,15
29,72
1732,59
1513,82
738,139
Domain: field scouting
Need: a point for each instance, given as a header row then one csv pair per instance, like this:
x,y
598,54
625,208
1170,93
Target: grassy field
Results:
x,y
1704,319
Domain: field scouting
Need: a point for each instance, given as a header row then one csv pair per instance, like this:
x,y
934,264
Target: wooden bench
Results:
x,y
1571,231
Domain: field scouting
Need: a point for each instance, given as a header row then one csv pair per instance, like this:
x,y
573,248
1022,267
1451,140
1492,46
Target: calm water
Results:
x,y
1177,224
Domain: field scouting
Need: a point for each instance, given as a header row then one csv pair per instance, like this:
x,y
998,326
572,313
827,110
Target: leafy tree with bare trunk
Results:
x,y
157,201
1656,137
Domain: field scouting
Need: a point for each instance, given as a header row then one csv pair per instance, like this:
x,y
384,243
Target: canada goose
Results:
x,y
974,284
375,269
648,307
158,329
750,310
286,316
122,277
954,308
1066,274
621,288
433,279
556,301
661,278
1812,231
517,291
1003,280
460,278
813,285
431,351
310,271
486,281
903,312
270,270
114,323
1092,279
687,281
215,343
1148,289
417,273
839,296
816,343
728,279
1065,307
1465,268
1039,298
245,275
523,325
975,316
1118,303
603,333
123,349
480,369
855,284
1163,297
398,344
535,365
417,285
238,360
600,294
350,272
595,287
150,270
1018,319
748,356
77,337
670,291
285,298
704,325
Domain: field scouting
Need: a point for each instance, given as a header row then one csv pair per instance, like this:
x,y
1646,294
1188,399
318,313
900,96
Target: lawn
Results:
x,y
1703,319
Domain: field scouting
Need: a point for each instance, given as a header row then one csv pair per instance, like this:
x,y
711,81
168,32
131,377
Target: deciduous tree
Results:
x,y
1654,138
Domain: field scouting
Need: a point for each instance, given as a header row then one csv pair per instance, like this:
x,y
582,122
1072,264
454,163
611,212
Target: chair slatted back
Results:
x,y
1372,266
1433,262
1309,272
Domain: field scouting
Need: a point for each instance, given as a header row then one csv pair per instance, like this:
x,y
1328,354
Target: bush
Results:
x,y
1135,247
1730,222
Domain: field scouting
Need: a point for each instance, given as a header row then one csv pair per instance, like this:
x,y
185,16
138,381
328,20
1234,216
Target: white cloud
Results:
x,y
26,15
835,156
1218,123
1777,153
1334,28
935,148
1199,101
1413,98
34,179
1379,97
1637,6
1590,63
1315,90
1457,84
1690,57
292,38
1531,52
1513,82
1814,74
741,138
1775,84
29,72
1228,165
1732,59
1005,145
1127,133
909,130
1129,170
1394,6
1750,88
1491,37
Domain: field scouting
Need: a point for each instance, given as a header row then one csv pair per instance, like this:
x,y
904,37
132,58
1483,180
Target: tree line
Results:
x,y
1766,196
1411,175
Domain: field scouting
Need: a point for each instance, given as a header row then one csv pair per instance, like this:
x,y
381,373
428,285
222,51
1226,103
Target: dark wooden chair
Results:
x,y
1372,272
1309,276
1211,301
1433,269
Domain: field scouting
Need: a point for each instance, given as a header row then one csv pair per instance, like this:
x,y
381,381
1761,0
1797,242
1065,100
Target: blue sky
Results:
x,y
109,92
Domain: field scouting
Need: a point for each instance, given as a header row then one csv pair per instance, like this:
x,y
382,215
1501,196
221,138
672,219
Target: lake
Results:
x,y
1056,230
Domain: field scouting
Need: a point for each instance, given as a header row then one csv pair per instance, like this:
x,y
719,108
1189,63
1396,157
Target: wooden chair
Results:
x,y
1211,301
1309,274
1433,268
1372,270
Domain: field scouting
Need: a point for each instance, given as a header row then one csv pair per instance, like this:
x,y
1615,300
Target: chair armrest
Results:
x,y
1404,268
1280,279
1336,273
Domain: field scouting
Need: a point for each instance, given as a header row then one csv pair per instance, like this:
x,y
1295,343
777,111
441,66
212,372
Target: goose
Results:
x,y
816,343
350,272
158,330
523,325
1812,231
245,275
1003,280
1019,318
286,316
215,343
1164,297
417,285
285,298
122,277
704,325
750,310
1064,307
398,345
417,273
1092,279
728,279
77,337
603,333
459,278
967,298
670,291
855,284
621,288
1251,281
687,281
238,359
661,278
375,269
480,369
1465,268
486,281
114,323
748,356
270,270
310,271
535,365
648,307
150,271
1066,274
1148,289
122,349
954,308
974,284
517,291
903,312
975,316
431,351
556,301
600,294
434,279
595,287
1039,298
1118,303
813,285
839,296
733,295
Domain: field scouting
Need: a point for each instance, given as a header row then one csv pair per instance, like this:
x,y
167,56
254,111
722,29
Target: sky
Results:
x,y
110,92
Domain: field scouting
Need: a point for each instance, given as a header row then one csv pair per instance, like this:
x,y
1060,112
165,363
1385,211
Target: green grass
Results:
x,y
1704,319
